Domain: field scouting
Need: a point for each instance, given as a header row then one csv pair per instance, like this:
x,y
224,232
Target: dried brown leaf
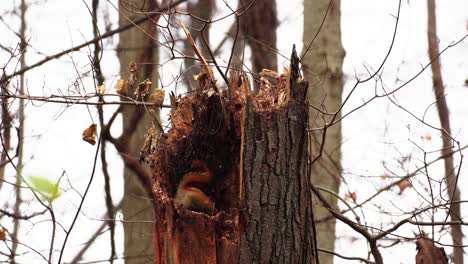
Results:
x,y
404,184
143,89
121,87
101,88
157,97
133,70
149,145
3,233
90,134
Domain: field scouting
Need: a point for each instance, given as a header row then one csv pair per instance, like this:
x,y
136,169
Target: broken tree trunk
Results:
x,y
255,148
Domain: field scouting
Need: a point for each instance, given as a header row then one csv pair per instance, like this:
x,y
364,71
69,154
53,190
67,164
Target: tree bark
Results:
x,y
21,118
451,177
257,152
322,65
136,46
278,214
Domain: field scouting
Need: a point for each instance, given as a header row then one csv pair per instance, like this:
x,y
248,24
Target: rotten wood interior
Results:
x,y
211,126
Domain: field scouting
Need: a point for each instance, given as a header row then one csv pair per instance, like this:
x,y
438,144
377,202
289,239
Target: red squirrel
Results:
x,y
192,197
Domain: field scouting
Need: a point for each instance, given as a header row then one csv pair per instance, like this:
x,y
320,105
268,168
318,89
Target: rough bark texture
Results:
x,y
278,227
136,46
258,25
447,143
322,65
256,146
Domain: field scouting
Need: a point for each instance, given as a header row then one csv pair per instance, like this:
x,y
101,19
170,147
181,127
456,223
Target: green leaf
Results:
x,y
47,189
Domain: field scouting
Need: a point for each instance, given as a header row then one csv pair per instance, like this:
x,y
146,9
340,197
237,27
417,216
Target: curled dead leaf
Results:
x,y
149,145
121,88
101,88
133,69
3,233
143,89
403,184
90,134
157,97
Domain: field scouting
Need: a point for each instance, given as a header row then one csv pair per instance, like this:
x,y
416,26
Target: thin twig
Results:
x,y
81,100
78,211
103,36
99,80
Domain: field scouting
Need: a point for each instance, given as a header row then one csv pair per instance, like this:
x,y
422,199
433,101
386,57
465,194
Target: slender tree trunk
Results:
x,y
451,177
322,65
137,207
19,164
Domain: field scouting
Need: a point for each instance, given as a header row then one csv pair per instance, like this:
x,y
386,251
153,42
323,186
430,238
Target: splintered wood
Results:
x,y
206,68
229,135
274,91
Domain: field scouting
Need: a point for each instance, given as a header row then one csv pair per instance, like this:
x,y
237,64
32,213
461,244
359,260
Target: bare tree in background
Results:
x,y
19,164
322,60
258,25
201,12
138,45
451,174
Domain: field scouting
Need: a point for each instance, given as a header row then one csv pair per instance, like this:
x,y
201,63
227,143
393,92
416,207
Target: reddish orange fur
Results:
x,y
191,197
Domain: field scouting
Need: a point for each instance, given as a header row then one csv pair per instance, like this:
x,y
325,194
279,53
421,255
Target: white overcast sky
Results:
x,y
378,133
